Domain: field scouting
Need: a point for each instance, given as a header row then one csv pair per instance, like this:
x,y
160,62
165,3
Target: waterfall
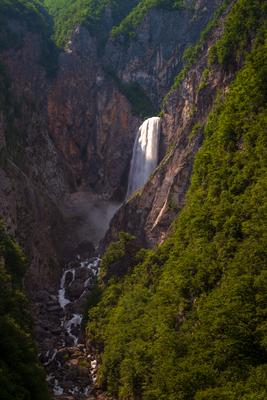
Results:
x,y
145,154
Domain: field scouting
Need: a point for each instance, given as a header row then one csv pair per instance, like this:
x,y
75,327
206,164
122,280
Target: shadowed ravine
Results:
x,y
71,367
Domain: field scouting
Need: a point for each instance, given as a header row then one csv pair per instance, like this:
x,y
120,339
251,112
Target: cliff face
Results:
x,y
56,133
90,120
34,176
75,130
150,212
154,55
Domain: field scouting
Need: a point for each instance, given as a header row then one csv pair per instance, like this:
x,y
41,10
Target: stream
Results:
x,y
70,368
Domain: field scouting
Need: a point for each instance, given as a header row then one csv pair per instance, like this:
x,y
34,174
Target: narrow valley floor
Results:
x,y
71,369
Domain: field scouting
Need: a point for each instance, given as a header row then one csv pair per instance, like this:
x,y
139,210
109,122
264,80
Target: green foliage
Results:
x,y
141,104
129,24
32,14
189,321
126,15
21,376
116,251
204,79
67,14
247,19
197,128
191,53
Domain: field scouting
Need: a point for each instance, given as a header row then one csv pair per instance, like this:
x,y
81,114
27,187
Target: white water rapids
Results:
x,y
145,154
71,303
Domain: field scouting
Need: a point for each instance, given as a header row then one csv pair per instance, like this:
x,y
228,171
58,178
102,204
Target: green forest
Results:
x,y
21,375
189,319
126,15
67,14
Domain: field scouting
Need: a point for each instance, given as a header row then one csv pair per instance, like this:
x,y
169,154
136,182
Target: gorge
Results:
x,y
133,177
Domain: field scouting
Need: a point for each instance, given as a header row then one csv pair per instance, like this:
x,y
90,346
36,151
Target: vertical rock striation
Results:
x,y
149,214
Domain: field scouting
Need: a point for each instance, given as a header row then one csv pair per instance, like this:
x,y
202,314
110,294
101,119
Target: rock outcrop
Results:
x,y
75,129
57,133
90,121
153,57
73,132
149,213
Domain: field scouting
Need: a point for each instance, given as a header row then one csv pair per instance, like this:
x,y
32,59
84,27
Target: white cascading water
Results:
x,y
71,321
145,154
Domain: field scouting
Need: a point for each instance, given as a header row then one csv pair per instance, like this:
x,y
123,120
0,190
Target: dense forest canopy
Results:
x,y
21,375
124,17
189,321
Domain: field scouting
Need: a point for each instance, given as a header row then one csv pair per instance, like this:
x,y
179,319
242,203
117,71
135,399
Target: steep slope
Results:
x,y
19,362
34,176
98,16
147,47
141,42
188,319
149,214
67,122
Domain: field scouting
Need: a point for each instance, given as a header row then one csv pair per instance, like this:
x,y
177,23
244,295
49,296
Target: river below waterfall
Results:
x,y
70,367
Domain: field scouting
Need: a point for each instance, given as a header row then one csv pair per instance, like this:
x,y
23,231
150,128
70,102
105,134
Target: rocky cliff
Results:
x,y
68,122
149,213
72,127
154,55
43,159
171,322
34,176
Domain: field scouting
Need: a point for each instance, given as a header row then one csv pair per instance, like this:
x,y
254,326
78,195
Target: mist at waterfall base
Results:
x,y
89,216
145,154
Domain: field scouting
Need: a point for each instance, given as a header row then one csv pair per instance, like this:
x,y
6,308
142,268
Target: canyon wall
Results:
x,y
149,213
68,124
154,55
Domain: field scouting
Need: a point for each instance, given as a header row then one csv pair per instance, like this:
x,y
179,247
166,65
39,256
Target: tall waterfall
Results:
x,y
145,154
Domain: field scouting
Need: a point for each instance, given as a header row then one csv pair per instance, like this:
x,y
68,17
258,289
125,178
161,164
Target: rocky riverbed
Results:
x,y
59,310
71,370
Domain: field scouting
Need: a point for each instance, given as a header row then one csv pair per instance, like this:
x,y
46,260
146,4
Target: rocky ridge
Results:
x,y
155,55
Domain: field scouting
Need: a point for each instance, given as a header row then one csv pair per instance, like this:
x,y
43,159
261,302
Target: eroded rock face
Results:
x,y
75,131
57,133
26,132
154,56
33,175
90,120
36,222
150,212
